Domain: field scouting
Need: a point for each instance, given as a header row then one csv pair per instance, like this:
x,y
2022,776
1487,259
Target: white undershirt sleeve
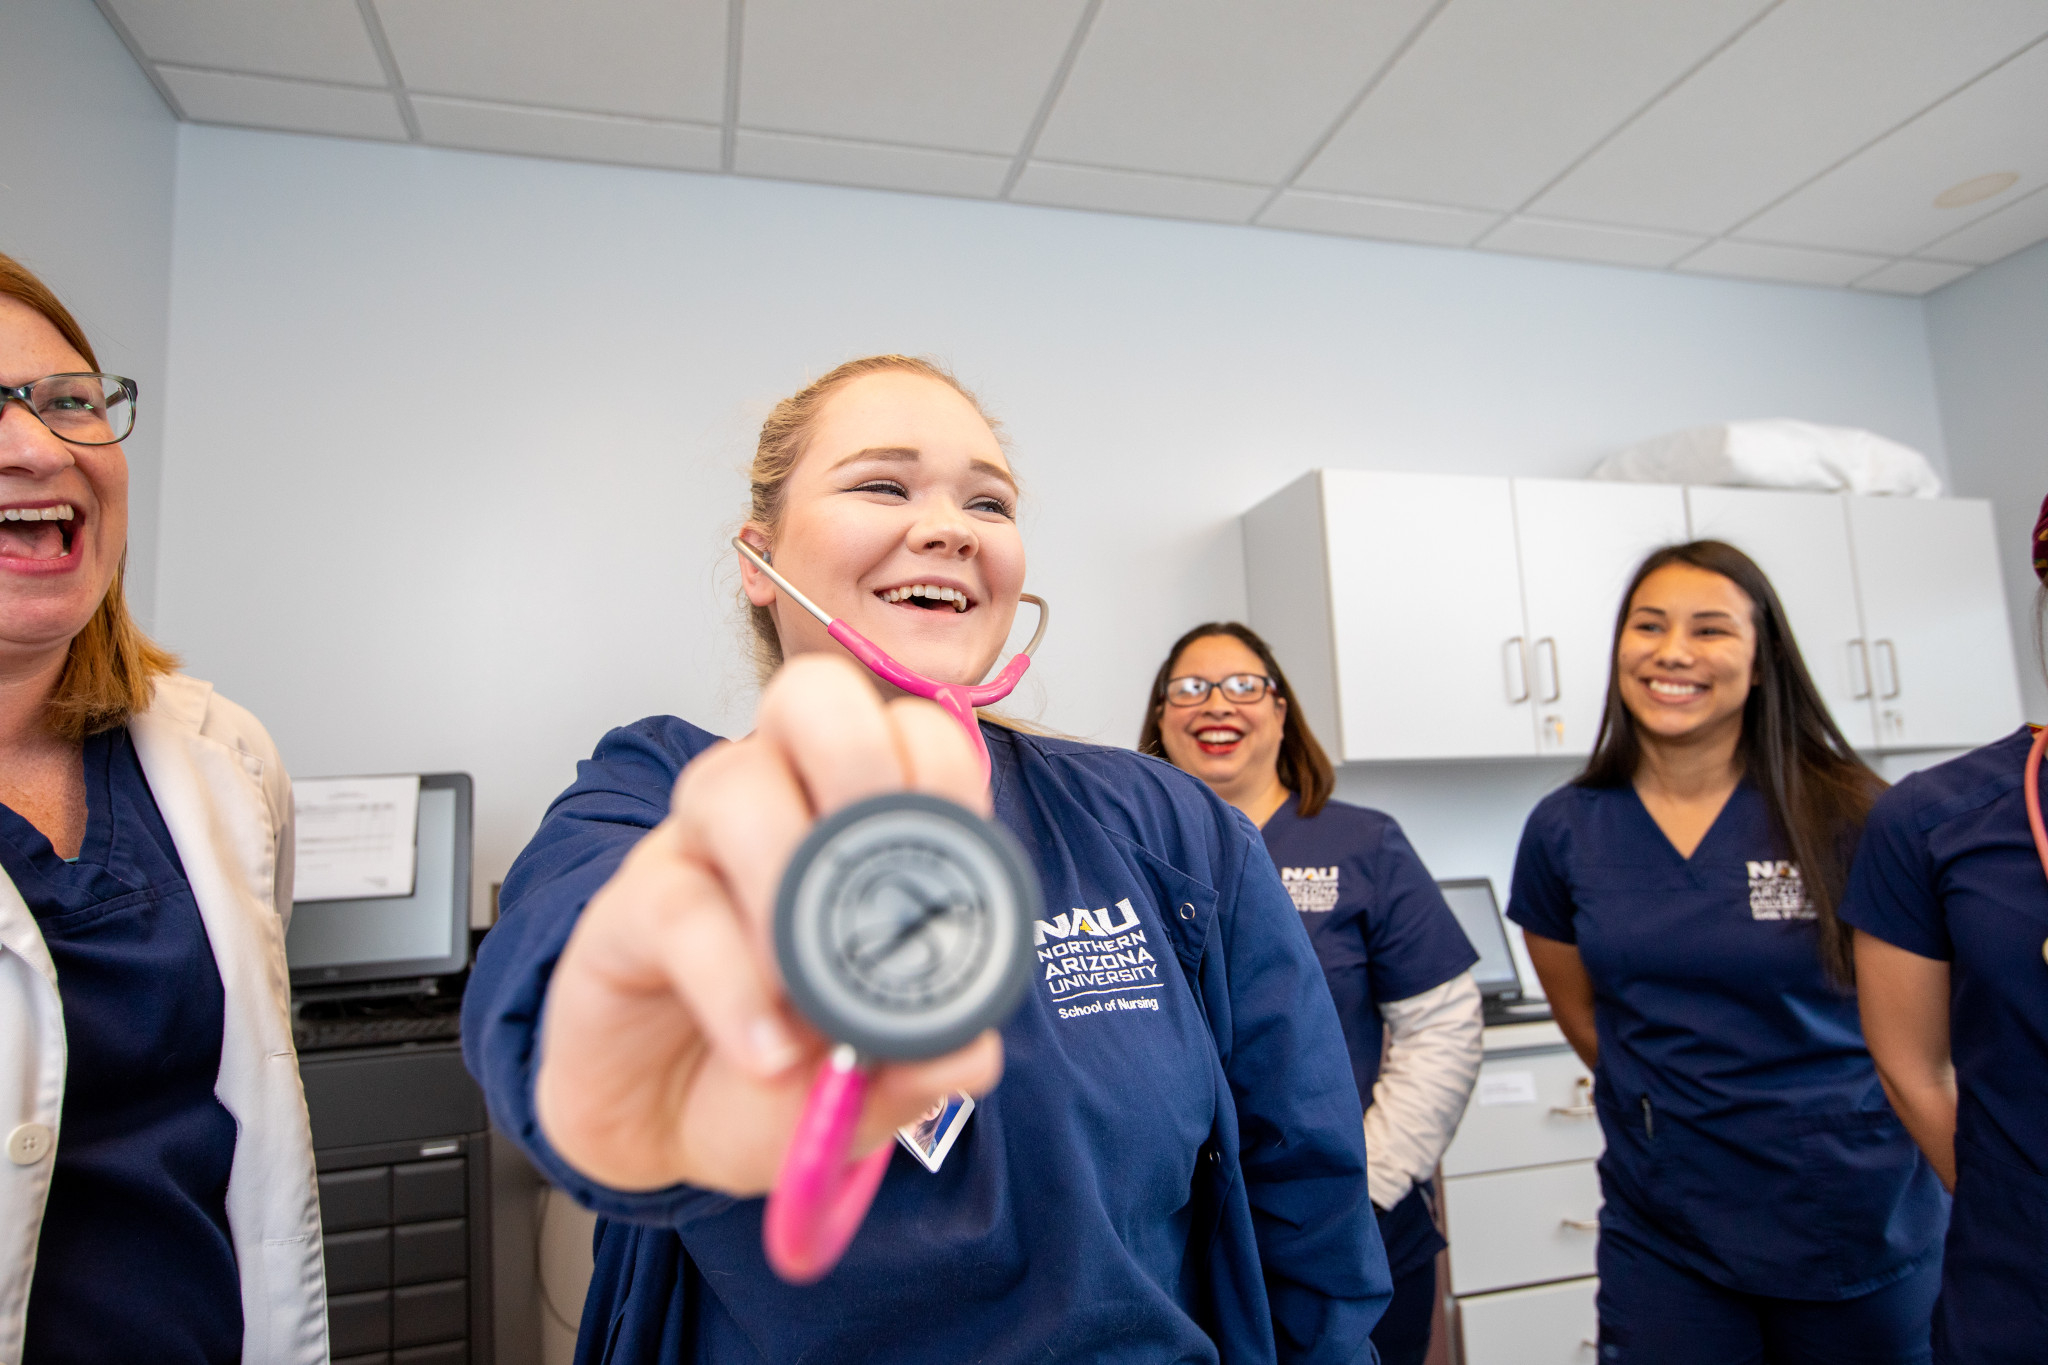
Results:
x,y
1432,1062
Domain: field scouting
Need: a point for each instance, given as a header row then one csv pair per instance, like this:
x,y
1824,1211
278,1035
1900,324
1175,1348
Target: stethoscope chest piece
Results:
x,y
902,926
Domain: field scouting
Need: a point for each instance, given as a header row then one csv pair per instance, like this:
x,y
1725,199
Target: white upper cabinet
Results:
x,y
1425,616
1801,542
1393,602
1940,649
1580,542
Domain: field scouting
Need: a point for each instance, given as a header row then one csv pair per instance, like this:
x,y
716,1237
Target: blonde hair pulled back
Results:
x,y
786,435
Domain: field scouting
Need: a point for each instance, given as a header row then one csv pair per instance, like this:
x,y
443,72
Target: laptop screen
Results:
x,y
1471,900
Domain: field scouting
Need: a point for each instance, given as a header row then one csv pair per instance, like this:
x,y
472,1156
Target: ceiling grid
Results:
x,y
1891,145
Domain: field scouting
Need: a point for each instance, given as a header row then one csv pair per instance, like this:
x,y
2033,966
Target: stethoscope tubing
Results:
x,y
820,1197
2033,784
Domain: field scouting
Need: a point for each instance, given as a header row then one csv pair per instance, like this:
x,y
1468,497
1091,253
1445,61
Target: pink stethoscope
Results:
x,y
820,1197
2034,800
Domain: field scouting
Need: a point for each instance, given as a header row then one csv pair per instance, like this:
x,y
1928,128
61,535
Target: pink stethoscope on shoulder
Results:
x,y
2034,800
902,928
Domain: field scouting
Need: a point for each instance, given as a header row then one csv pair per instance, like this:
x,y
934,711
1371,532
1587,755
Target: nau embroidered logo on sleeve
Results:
x,y
1102,954
1777,891
1314,888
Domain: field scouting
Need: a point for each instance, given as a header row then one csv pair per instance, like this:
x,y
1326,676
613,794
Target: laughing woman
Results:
x,y
1398,965
1763,1203
1181,1179
157,1201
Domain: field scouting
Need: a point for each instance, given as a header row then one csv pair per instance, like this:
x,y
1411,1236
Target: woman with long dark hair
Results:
x,y
1398,965
1949,898
1680,899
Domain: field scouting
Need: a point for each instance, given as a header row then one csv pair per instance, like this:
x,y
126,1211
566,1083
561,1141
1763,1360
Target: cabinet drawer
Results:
x,y
1553,1324
1522,1227
1526,1111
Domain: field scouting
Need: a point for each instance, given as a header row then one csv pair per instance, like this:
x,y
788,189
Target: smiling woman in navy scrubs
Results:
x,y
1398,965
156,1201
1950,904
1763,1203
1178,1178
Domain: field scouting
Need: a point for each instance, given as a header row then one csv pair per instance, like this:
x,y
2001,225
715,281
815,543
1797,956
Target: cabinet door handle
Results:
x,y
1888,669
1583,1106
1580,1224
1515,671
1547,645
1859,670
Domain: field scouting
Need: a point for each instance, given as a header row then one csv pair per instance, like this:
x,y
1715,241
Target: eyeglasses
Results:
x,y
1239,688
83,409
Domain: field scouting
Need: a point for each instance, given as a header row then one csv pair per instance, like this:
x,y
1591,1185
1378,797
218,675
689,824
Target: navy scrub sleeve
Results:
x,y
1171,1169
1947,870
1382,932
135,1260
1748,1137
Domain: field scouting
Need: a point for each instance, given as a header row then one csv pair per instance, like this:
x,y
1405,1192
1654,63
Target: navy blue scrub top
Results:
x,y
1748,1137
1382,932
135,1261
1947,870
1172,1168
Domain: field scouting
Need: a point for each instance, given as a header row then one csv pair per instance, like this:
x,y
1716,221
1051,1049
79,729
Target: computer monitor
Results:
x,y
397,938
1471,900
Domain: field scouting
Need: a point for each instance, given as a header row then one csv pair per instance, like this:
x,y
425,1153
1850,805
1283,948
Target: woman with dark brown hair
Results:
x,y
1398,965
1679,898
157,1202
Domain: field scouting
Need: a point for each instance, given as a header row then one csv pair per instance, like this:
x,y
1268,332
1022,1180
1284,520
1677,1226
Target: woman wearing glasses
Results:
x,y
157,1201
1398,965
1170,1170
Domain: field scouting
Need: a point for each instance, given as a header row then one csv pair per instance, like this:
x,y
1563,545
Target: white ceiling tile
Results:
x,y
1499,96
1166,196
294,106
661,59
1351,216
1994,238
1882,199
572,137
1788,264
793,156
1913,277
1808,85
1589,242
934,73
322,40
1219,87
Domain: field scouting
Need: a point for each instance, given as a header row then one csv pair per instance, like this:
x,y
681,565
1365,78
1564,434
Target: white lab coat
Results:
x,y
227,802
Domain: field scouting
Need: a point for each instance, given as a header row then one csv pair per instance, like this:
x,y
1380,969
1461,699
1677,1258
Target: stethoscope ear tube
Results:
x,y
2033,787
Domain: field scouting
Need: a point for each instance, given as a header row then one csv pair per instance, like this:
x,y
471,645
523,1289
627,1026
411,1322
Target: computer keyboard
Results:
x,y
319,1035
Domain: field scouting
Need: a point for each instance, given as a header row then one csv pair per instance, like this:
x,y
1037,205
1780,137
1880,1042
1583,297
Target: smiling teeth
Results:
x,y
929,591
1218,736
1673,689
37,514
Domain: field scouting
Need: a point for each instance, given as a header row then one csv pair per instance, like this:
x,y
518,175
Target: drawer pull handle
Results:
x,y
1582,1107
1580,1224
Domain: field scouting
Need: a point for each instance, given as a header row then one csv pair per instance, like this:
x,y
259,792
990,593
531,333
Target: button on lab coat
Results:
x,y
226,800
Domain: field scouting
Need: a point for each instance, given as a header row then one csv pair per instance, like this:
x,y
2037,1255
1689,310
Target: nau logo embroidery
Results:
x,y
1777,891
1314,889
1097,953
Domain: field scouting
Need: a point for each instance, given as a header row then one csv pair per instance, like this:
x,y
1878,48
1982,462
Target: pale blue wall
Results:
x,y
1989,335
391,591
90,153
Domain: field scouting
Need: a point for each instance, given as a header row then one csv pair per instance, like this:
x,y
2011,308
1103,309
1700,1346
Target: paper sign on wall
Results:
x,y
1507,1087
357,837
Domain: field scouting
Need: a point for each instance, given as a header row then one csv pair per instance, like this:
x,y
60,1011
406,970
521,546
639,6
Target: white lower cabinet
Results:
x,y
1552,1324
1522,1227
1521,1202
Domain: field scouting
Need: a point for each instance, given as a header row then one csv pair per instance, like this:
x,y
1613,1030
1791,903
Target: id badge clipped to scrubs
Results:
x,y
902,928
